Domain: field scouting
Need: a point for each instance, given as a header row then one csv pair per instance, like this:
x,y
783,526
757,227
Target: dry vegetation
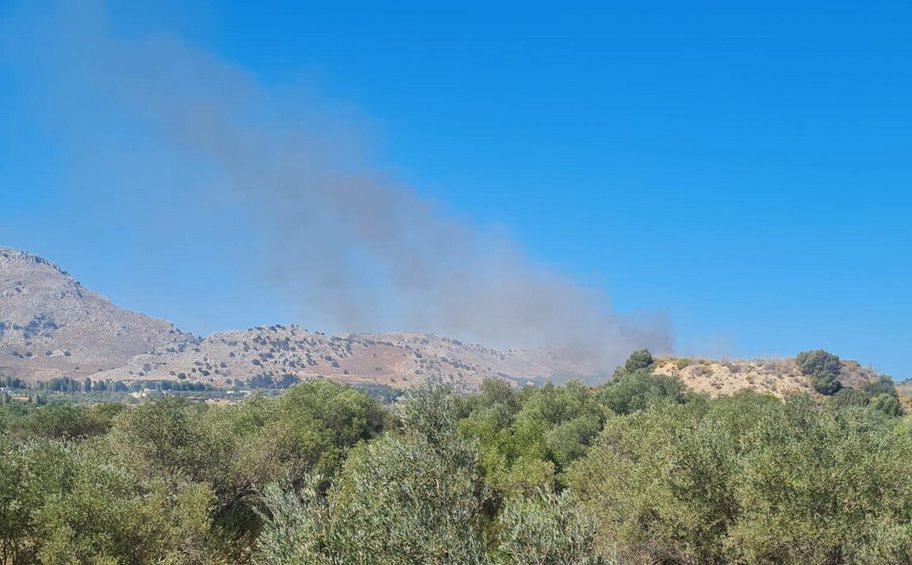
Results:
x,y
777,376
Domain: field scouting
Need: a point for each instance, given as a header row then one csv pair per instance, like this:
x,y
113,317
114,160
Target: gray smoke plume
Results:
x,y
356,247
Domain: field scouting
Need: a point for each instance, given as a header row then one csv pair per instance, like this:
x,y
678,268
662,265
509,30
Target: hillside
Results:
x,y
400,360
777,376
51,325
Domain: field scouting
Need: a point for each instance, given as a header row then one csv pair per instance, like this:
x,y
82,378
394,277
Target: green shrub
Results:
x,y
631,392
545,528
851,397
527,437
748,479
822,368
882,384
887,403
641,359
404,498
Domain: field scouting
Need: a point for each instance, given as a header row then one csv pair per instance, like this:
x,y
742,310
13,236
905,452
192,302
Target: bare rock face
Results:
x,y
50,325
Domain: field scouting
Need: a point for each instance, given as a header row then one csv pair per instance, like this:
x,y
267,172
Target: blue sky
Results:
x,y
743,170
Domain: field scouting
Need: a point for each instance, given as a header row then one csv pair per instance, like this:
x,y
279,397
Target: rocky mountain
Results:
x,y
50,325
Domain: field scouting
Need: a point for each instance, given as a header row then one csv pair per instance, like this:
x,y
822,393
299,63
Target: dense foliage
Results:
x,y
635,471
822,368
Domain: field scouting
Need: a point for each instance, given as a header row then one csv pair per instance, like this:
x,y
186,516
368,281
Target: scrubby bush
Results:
x,y
527,437
851,397
881,384
887,403
241,448
748,479
412,497
822,368
638,360
545,527
634,391
63,503
880,394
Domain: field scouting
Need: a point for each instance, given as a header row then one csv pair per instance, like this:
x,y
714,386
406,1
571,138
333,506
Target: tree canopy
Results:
x,y
636,470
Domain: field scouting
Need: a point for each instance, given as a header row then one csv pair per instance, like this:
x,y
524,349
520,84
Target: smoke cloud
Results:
x,y
355,246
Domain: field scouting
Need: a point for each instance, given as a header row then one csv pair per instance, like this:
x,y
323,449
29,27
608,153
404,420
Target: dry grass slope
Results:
x,y
777,376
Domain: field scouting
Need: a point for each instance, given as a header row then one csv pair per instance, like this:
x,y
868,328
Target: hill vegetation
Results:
x,y
780,377
400,360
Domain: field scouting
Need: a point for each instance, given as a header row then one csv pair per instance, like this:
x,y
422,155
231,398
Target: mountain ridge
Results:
x,y
52,326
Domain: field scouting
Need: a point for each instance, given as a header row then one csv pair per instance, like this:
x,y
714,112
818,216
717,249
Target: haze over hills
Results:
x,y
51,326
400,360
